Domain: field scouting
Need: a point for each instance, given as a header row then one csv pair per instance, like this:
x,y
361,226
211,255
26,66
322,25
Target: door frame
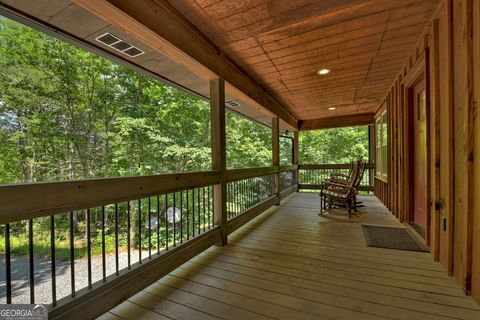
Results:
x,y
418,72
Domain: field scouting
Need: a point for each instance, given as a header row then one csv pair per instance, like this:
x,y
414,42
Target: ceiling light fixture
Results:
x,y
332,108
323,72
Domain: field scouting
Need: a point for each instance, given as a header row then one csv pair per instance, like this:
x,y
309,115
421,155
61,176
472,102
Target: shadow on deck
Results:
x,y
289,263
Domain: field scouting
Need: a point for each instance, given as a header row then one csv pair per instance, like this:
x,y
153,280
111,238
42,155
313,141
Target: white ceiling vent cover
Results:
x,y
118,44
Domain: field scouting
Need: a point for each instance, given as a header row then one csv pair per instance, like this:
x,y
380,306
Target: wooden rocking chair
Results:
x,y
338,194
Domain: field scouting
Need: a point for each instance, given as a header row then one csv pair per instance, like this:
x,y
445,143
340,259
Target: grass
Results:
x,y
19,246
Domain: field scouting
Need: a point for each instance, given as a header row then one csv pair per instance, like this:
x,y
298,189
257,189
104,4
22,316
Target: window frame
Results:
x,y
381,144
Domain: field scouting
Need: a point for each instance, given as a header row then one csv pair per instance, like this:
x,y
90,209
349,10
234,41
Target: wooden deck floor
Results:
x,y
291,264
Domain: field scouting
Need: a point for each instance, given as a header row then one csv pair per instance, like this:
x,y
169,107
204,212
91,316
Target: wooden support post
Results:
x,y
371,152
295,156
276,155
219,161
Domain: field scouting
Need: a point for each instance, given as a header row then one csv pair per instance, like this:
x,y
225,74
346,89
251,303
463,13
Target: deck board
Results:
x,y
289,263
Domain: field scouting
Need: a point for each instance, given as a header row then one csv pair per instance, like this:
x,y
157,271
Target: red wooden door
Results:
x,y
420,155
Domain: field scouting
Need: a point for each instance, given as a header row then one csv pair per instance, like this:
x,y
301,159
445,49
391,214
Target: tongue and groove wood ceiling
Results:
x,y
283,43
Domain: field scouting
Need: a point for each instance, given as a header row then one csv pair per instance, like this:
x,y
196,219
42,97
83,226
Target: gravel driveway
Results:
x,y
43,286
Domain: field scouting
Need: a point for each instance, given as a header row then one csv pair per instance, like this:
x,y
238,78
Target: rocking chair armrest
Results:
x,y
337,184
338,187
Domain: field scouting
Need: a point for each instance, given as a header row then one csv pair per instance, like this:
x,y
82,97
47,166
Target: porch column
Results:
x,y
276,155
219,162
295,156
371,152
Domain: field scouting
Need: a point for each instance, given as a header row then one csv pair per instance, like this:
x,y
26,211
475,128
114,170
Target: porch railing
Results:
x,y
111,238
312,175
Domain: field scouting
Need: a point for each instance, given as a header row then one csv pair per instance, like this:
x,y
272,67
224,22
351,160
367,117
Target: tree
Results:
x,y
334,145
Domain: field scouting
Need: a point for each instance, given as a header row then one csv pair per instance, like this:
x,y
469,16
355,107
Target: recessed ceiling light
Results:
x,y
323,72
332,108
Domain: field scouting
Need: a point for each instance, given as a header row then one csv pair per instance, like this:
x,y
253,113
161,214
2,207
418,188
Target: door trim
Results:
x,y
418,72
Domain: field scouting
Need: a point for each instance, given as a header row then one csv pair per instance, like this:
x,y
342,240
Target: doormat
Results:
x,y
391,238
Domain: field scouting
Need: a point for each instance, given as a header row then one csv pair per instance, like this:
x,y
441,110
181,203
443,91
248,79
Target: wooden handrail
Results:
x,y
291,167
240,174
330,166
27,201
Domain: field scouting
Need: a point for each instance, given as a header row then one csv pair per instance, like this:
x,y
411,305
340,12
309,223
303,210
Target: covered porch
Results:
x,y
219,241
289,263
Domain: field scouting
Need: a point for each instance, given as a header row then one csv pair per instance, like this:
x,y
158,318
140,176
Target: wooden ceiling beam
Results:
x,y
158,24
337,122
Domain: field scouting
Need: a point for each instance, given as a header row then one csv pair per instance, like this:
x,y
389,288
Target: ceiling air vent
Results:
x,y
232,104
118,44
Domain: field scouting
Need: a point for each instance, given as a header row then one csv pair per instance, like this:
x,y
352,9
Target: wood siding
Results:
x,y
448,57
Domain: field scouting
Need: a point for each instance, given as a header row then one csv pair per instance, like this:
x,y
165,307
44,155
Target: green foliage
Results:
x,y
249,144
334,145
67,114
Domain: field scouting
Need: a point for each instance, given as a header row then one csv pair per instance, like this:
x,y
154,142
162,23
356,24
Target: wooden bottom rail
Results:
x,y
89,304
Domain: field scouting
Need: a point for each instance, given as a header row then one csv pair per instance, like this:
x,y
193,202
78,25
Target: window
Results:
x,y
381,127
384,144
378,146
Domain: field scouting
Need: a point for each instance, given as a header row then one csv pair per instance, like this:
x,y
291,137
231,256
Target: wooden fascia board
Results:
x,y
337,122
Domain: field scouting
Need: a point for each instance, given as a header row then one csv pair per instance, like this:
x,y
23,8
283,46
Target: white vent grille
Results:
x,y
232,104
118,44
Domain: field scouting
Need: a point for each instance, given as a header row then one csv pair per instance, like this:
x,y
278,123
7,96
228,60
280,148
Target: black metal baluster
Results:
x,y
193,213
243,194
247,194
204,212
149,228
239,196
235,198
8,268
31,262
52,260
230,197
213,210
128,234
158,224
210,222
250,192
140,231
166,222
198,210
181,216
89,250
250,188
104,262
116,240
188,217
72,253
174,221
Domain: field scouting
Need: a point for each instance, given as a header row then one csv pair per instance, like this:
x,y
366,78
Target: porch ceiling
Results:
x,y
268,51
282,44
